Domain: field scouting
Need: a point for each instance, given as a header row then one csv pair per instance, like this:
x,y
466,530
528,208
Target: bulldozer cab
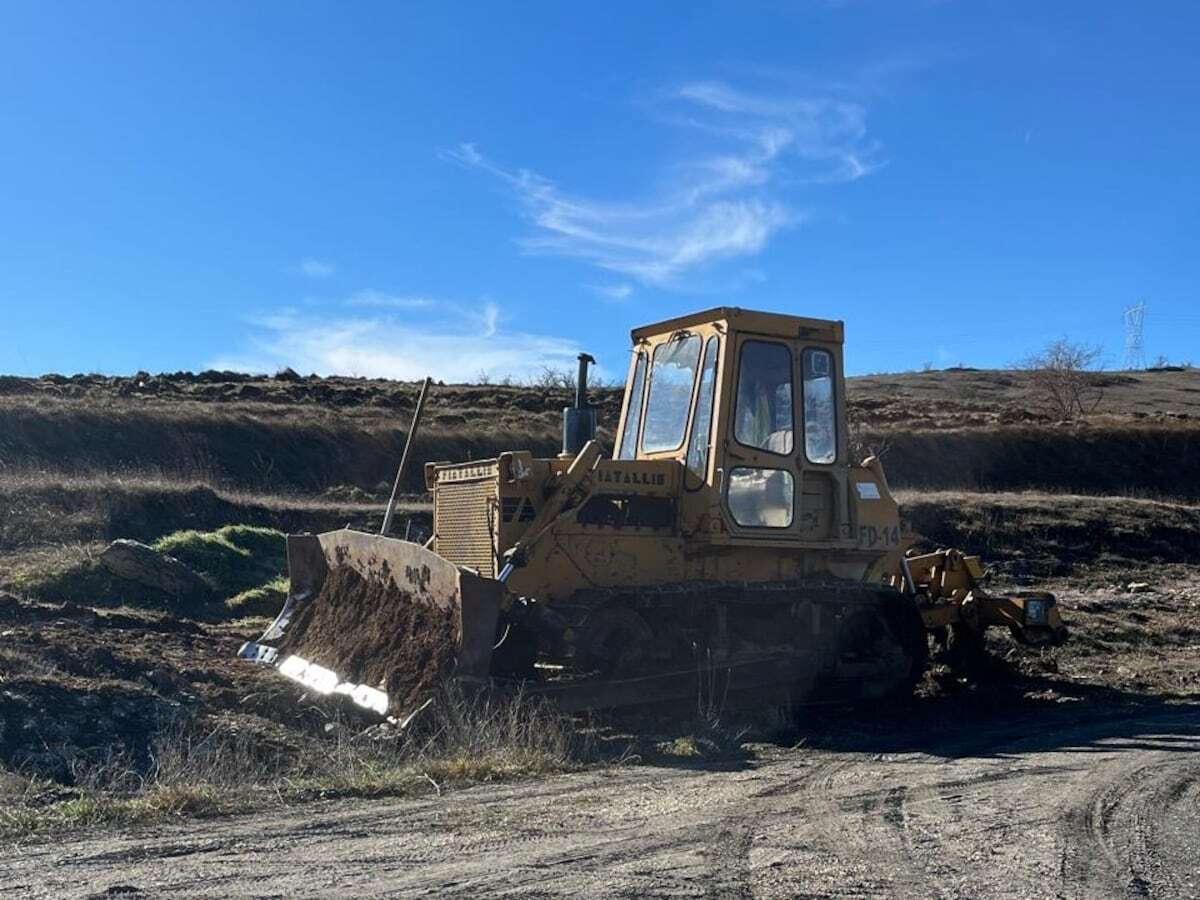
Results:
x,y
752,405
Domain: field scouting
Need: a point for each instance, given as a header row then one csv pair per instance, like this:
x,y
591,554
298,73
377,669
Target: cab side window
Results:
x,y
633,417
701,439
820,418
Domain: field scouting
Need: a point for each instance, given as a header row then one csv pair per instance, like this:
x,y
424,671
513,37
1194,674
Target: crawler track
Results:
x,y
811,641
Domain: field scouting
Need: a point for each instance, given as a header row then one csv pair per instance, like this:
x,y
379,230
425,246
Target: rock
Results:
x,y
243,392
10,607
141,564
86,616
161,680
1139,587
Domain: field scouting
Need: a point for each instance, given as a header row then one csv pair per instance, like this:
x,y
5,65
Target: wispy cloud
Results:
x,y
616,292
443,340
383,300
315,268
724,201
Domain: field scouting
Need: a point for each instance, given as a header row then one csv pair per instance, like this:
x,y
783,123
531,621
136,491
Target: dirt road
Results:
x,y
1102,806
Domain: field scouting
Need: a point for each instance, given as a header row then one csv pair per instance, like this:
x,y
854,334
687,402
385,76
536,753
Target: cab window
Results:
x,y
761,498
701,439
633,416
820,418
763,418
672,375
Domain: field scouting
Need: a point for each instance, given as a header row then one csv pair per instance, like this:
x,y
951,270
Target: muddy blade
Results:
x,y
379,619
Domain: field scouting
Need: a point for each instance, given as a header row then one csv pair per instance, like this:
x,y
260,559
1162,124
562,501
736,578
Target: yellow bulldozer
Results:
x,y
729,533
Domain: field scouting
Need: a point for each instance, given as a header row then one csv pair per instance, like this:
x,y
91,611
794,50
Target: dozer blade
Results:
x,y
381,620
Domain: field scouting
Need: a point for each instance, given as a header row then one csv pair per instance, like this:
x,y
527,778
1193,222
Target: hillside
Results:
x,y
954,428
90,458
214,468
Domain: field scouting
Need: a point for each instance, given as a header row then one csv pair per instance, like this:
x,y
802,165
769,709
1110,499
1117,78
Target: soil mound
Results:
x,y
371,632
86,692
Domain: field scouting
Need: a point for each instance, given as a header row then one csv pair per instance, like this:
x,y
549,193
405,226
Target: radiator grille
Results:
x,y
461,518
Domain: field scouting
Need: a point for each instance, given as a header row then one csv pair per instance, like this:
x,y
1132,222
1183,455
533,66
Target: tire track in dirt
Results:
x,y
1124,837
1091,809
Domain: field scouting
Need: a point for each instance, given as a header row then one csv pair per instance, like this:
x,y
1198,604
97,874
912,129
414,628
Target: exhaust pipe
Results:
x,y
579,421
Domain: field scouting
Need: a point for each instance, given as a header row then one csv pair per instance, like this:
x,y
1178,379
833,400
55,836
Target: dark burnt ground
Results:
x,y
369,631
79,686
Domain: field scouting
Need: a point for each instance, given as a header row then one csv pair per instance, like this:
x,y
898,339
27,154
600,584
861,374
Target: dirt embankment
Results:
x,y
1036,534
56,508
953,429
1113,458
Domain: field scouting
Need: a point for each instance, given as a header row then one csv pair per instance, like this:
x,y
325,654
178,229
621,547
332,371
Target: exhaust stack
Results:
x,y
579,421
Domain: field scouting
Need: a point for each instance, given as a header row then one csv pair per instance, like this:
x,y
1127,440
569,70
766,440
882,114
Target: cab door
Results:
x,y
762,479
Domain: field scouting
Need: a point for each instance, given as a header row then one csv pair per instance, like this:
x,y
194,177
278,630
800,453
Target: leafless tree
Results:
x,y
550,377
1063,378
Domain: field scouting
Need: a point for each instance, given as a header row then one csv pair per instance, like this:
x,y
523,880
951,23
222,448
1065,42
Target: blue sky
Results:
x,y
395,189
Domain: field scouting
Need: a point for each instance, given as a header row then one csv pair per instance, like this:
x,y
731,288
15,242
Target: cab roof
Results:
x,y
748,320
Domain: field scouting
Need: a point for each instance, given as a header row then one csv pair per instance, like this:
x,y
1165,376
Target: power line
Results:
x,y
1135,353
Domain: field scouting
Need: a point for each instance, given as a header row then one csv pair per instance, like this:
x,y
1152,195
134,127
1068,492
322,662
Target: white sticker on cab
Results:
x,y
867,490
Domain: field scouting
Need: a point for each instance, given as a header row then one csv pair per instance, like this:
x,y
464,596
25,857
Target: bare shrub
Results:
x,y
864,444
550,377
1062,379
460,736
21,661
213,754
1163,363
213,766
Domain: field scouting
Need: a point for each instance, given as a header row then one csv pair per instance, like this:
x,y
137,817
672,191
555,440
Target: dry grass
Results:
x,y
278,436
93,458
1042,533
210,767
267,445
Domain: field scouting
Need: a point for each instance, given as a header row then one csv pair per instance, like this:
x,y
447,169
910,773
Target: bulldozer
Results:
x,y
728,534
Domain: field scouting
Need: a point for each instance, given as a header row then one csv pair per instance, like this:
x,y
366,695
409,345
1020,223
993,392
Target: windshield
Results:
x,y
672,374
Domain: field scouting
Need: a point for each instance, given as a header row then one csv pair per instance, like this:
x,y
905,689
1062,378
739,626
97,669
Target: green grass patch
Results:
x,y
158,803
264,600
244,566
232,559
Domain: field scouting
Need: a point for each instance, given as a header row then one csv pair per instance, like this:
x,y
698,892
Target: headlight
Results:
x,y
1037,612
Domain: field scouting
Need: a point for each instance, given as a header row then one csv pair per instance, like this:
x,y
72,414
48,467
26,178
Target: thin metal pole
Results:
x,y
408,445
